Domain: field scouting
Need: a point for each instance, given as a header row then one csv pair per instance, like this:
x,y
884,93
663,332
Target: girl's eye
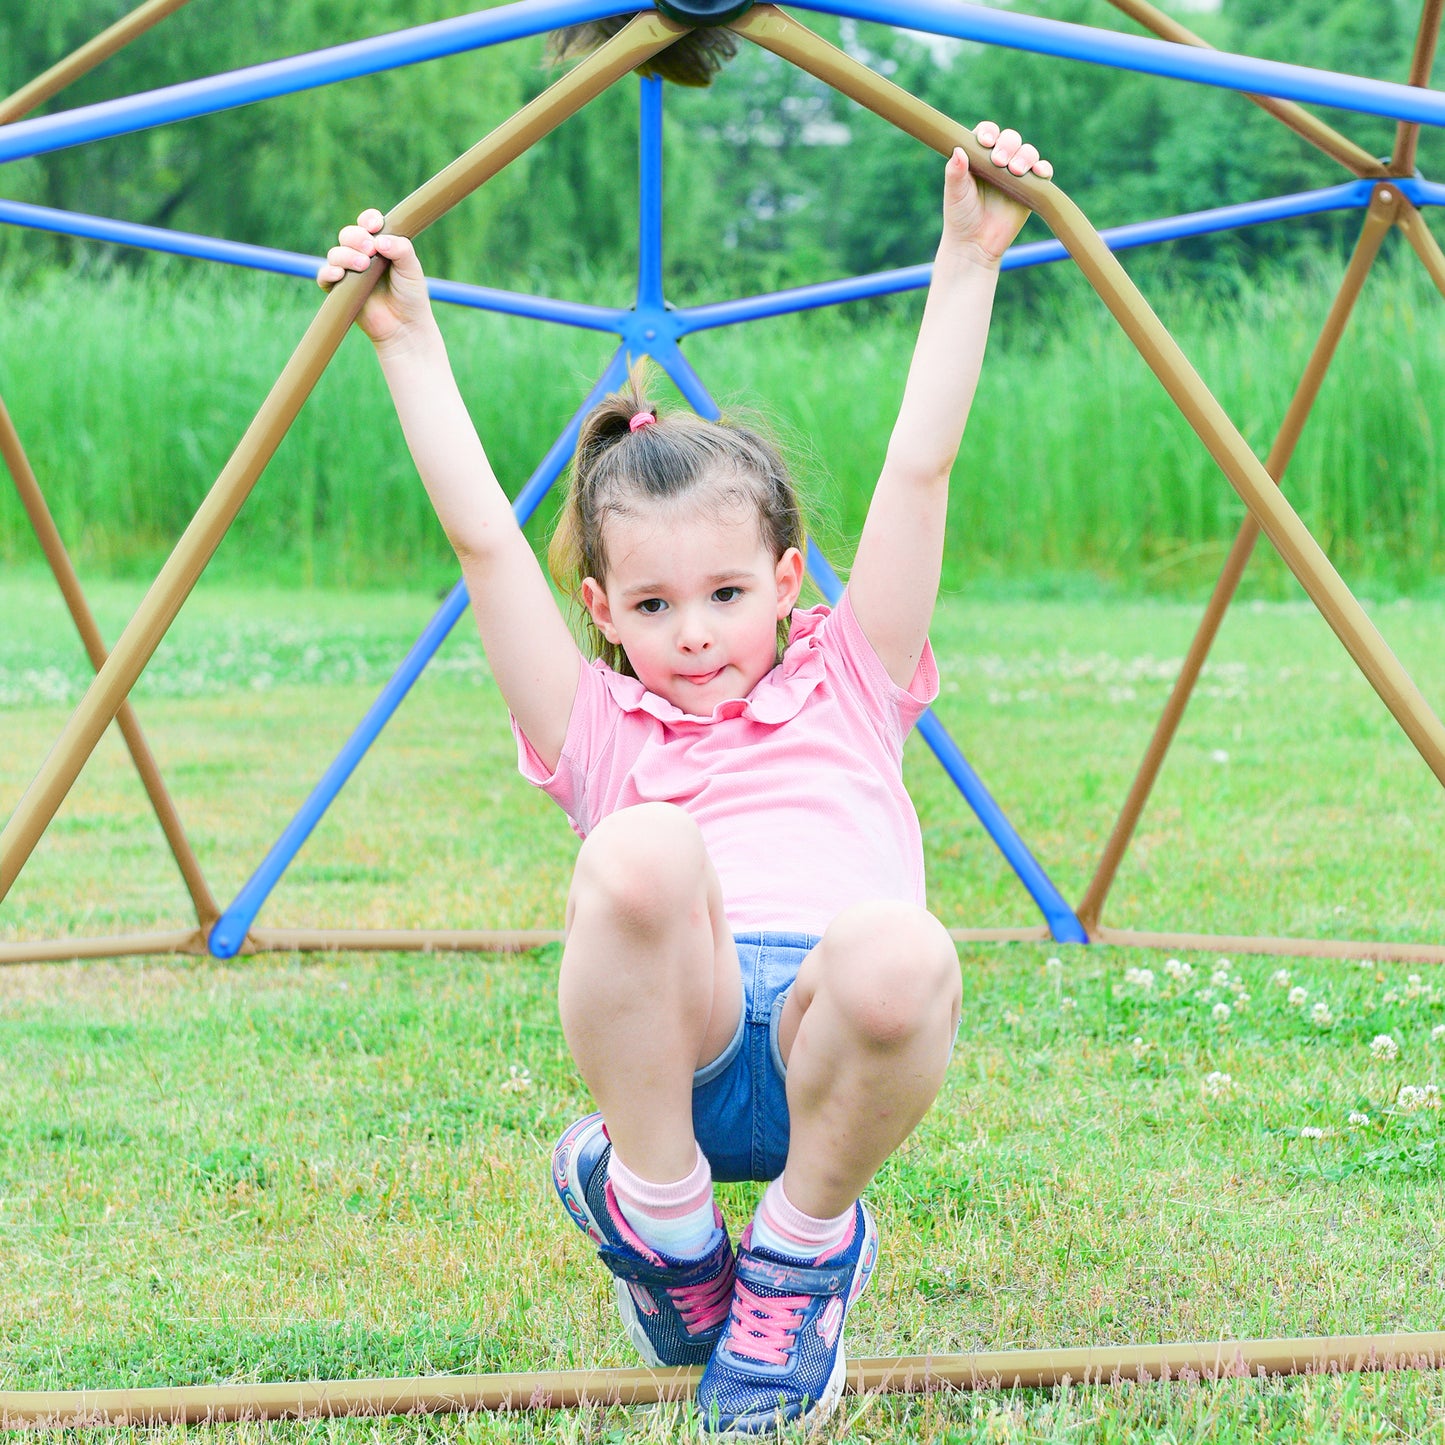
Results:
x,y
727,594
651,605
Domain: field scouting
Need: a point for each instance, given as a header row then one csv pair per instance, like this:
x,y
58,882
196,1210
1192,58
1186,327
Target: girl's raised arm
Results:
x,y
894,581
529,648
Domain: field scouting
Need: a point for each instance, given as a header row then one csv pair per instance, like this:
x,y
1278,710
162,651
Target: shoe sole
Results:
x,y
563,1179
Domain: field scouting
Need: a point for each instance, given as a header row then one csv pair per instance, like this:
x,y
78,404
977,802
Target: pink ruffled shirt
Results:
x,y
797,788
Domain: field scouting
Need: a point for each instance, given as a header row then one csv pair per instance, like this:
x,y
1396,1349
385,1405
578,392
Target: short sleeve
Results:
x,y
899,707
589,729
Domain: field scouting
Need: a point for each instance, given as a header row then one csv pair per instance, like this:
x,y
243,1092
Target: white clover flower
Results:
x,y
1220,1012
1218,1085
1358,1120
1178,970
1297,997
1219,756
1431,1094
1311,1132
1139,1050
1241,1001
1280,978
1391,997
1320,1014
1383,1047
518,1080
1140,977
1011,1019
1220,978
1409,1099
1223,964
1054,965
1207,996
1068,1004
1438,1032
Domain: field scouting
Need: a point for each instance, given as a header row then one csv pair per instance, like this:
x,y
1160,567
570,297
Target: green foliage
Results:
x,y
773,178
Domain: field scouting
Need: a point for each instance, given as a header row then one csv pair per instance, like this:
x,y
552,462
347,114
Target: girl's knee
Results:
x,y
893,969
642,866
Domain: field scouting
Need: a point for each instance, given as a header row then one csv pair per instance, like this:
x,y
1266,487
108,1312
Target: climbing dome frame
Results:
x,y
1391,195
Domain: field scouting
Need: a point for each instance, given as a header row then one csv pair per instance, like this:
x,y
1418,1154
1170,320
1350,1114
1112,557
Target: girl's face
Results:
x,y
693,597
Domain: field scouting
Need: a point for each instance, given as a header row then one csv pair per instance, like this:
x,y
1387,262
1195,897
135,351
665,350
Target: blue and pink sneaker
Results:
x,y
673,1310
782,1357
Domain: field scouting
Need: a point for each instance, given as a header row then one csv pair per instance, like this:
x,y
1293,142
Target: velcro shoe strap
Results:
x,y
793,1278
629,1265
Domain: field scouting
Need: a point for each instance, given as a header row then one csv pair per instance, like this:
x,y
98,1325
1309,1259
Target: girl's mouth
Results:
x,y
700,679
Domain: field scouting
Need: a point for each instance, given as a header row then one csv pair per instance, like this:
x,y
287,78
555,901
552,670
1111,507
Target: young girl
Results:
x,y
750,985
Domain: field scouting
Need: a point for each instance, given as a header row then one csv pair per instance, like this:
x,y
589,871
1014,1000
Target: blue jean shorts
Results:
x,y
739,1101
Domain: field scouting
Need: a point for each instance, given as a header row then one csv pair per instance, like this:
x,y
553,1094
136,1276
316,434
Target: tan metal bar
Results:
x,y
641,39
1407,132
398,940
86,58
776,31
1309,127
1385,952
905,1374
48,534
64,950
1427,248
1378,219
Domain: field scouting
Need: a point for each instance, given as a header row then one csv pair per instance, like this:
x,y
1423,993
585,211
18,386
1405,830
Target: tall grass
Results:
x,y
131,393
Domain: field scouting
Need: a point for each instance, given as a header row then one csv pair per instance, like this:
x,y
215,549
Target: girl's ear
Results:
x,y
594,599
789,575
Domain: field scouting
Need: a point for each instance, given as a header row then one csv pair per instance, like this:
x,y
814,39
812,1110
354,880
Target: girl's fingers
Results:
x,y
1023,159
371,219
986,132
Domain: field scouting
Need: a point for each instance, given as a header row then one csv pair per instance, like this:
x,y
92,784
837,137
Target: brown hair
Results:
x,y
693,59
667,460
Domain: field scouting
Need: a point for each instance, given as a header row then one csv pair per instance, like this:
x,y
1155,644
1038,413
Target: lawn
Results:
x,y
335,1165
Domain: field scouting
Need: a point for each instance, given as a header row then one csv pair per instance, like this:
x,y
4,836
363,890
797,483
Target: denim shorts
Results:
x,y
739,1101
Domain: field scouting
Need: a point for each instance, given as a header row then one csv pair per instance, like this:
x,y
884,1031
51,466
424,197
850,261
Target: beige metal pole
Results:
x,y
642,39
1288,947
1310,127
1407,132
907,1374
130,945
1427,248
1378,220
33,500
86,58
776,31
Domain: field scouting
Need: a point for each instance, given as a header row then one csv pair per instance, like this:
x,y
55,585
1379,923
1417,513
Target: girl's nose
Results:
x,y
693,634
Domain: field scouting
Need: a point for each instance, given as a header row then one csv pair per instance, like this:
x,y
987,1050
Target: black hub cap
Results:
x,y
703,12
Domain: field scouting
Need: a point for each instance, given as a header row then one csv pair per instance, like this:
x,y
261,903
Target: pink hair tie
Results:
x,y
641,419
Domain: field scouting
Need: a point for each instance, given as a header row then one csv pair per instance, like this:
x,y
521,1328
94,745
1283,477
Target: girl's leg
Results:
x,y
866,1034
650,987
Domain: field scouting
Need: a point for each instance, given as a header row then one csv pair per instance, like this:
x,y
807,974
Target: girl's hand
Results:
x,y
983,218
400,303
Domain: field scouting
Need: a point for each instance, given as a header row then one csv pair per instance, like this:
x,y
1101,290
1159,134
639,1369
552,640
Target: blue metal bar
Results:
x,y
1349,195
228,934
1061,920
1425,193
649,235
294,263
300,72
1154,57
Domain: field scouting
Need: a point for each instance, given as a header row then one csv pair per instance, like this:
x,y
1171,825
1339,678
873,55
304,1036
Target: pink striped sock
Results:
x,y
780,1226
675,1219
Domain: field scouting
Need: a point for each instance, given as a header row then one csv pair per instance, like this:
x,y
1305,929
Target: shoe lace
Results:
x,y
765,1327
704,1304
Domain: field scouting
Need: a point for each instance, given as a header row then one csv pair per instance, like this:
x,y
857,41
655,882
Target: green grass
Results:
x,y
324,1166
130,394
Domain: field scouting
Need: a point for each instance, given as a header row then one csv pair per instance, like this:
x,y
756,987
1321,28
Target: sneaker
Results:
x,y
673,1310
782,1357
